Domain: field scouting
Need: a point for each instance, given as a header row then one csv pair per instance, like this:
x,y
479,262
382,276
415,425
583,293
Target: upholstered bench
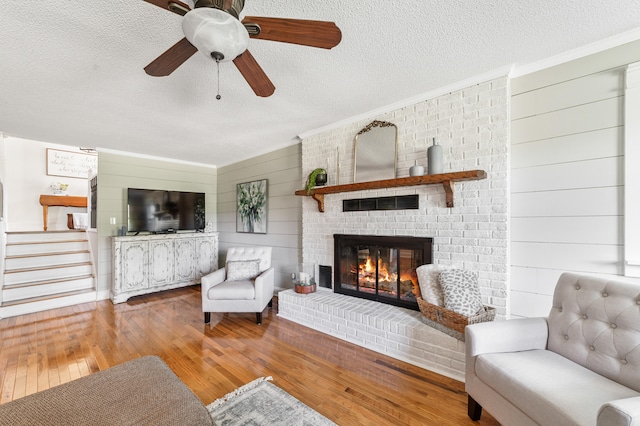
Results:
x,y
139,392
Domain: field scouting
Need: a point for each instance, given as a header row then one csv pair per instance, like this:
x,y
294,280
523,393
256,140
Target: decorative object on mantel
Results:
x,y
318,177
251,204
59,188
446,179
376,152
434,159
416,170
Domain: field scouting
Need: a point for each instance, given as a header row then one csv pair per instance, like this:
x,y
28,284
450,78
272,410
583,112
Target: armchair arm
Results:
x,y
264,285
213,279
506,336
621,412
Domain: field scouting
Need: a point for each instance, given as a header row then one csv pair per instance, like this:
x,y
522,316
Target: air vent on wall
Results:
x,y
403,202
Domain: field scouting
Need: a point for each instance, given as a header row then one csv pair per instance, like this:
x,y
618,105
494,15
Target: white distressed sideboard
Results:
x,y
151,263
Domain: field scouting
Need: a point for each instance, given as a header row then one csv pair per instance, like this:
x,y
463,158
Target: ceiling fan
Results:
x,y
214,28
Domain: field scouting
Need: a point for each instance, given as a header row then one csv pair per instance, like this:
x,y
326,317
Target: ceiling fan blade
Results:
x,y
255,76
174,6
170,60
321,34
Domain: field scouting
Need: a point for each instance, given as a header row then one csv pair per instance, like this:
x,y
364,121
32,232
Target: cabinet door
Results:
x,y
134,265
207,253
161,256
185,267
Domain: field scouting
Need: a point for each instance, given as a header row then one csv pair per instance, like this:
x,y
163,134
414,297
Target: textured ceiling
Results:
x,y
71,72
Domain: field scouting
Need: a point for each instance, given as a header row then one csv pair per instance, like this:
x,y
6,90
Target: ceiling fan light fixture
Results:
x,y
212,30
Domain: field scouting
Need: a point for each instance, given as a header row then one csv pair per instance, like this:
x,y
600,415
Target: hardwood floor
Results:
x,y
348,384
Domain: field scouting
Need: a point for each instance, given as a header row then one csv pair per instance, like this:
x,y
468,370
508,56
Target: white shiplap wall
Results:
x,y
567,176
282,168
117,172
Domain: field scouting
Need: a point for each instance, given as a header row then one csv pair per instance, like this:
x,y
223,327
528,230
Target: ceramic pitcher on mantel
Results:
x,y
434,159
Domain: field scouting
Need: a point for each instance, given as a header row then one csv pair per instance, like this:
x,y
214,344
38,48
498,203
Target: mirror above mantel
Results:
x,y
376,152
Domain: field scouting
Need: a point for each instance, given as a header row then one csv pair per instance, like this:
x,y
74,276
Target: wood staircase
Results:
x,y
46,270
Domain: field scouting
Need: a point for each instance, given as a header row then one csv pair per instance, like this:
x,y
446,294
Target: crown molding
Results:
x,y
580,52
152,157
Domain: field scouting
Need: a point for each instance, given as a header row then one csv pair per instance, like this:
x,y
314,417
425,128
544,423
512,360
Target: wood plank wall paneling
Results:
x,y
117,172
567,179
284,228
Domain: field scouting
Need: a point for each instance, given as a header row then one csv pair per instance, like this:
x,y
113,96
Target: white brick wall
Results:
x,y
472,127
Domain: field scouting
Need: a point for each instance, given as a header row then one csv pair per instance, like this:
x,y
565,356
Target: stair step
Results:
x,y
46,270
45,260
38,236
42,247
43,303
42,273
27,291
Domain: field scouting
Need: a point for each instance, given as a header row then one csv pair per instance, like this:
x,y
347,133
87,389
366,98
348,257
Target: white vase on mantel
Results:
x,y
434,159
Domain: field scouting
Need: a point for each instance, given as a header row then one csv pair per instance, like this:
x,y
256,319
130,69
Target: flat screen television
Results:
x,y
160,211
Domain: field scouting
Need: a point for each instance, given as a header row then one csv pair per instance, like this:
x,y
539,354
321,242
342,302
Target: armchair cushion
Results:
x,y
233,290
461,291
545,385
238,270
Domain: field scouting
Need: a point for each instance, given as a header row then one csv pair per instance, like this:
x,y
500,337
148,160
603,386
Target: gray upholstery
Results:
x,y
219,295
139,392
579,366
530,380
596,323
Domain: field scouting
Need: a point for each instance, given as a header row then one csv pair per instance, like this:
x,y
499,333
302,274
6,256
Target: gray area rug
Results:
x,y
262,403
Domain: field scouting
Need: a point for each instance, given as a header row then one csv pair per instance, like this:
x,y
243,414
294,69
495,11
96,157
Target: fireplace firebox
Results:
x,y
381,268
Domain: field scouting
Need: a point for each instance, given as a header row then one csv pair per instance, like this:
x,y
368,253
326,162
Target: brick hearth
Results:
x,y
390,330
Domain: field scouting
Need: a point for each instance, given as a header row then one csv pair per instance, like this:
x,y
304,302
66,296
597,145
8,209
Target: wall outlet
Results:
x,y
112,220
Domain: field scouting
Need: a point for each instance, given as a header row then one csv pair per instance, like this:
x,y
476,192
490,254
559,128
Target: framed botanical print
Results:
x,y
251,207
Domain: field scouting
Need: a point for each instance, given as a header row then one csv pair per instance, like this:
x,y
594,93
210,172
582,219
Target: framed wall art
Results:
x,y
70,164
251,207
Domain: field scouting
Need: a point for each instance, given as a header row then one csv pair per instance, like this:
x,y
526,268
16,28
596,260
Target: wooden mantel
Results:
x,y
446,179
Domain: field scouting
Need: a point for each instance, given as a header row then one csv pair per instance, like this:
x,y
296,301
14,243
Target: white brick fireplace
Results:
x,y
472,127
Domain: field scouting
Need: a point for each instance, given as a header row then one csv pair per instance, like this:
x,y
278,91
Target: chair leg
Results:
x,y
474,410
207,317
259,317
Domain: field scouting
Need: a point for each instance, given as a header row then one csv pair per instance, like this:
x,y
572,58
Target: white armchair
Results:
x,y
244,285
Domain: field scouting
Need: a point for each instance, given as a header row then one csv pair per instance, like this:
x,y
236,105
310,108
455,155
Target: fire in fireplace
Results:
x,y
381,268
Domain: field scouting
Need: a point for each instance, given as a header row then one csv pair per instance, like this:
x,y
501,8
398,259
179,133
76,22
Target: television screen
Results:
x,y
151,210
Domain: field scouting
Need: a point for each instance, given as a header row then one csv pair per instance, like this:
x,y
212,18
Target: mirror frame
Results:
x,y
372,151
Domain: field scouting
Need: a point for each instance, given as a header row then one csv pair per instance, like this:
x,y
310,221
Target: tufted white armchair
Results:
x,y
578,366
245,284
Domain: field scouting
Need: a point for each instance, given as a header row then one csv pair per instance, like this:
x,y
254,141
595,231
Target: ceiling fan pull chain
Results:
x,y
218,65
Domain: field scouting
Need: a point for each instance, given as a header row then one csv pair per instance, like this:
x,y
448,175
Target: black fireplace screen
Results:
x,y
380,268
